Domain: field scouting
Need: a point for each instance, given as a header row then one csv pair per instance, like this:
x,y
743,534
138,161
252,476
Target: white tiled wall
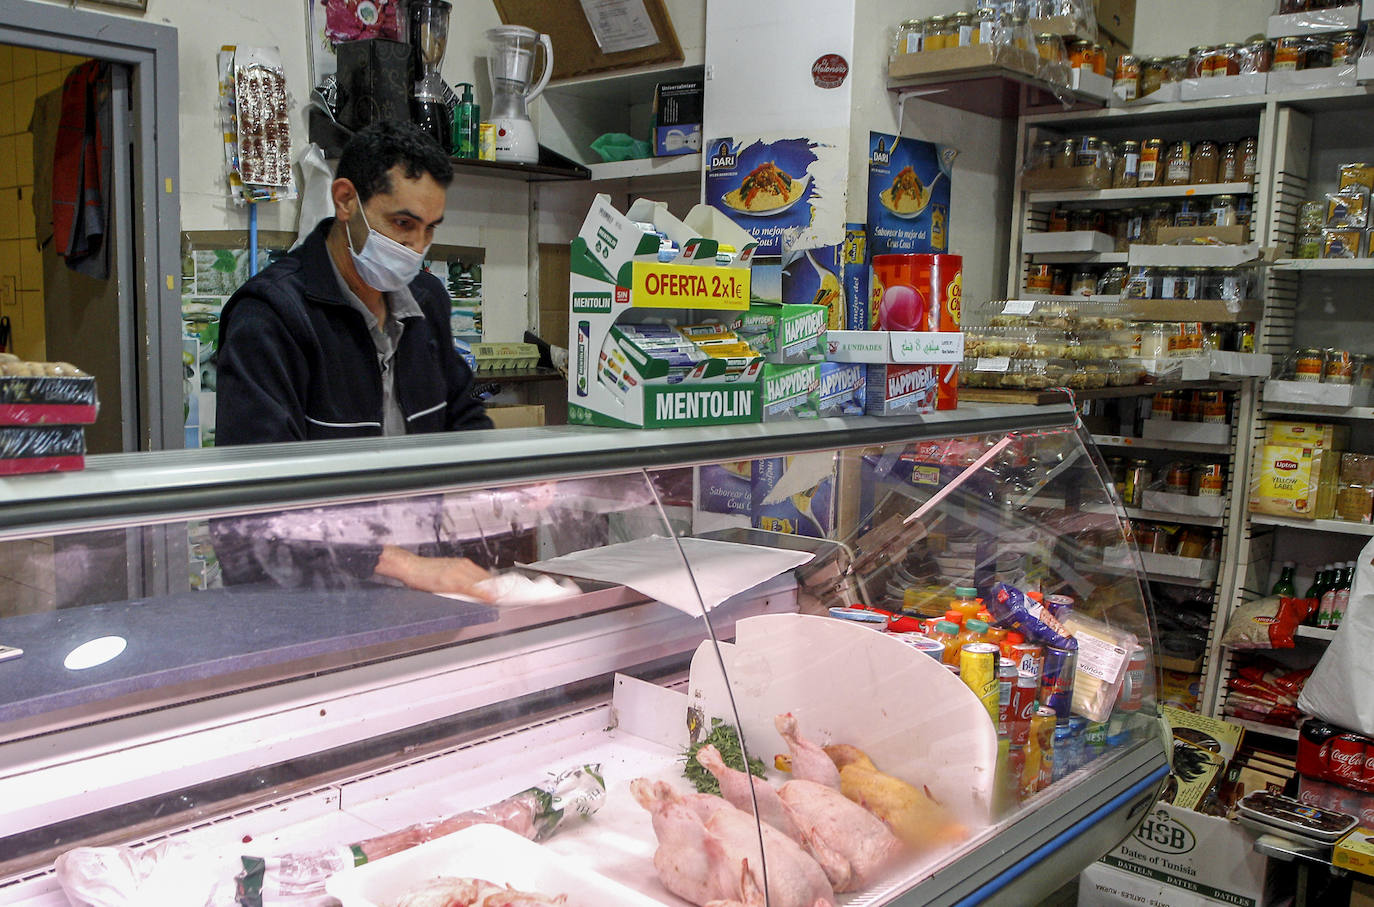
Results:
x,y
25,74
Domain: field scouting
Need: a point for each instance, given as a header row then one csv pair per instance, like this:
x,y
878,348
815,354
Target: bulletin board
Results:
x,y
575,49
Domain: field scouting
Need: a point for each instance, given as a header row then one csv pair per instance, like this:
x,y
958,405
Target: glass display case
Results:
x,y
352,666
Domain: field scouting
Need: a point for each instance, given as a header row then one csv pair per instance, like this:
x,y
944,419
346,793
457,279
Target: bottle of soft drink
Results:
x,y
1287,584
1342,596
974,630
947,632
1314,593
1328,600
966,602
955,617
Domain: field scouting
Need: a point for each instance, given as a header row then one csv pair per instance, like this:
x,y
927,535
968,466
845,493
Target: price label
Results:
x,y
673,286
1019,307
993,364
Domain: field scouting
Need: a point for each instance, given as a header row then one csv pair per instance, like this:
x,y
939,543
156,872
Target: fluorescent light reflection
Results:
x,y
96,652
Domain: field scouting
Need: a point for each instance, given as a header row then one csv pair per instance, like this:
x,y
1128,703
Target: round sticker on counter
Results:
x,y
829,71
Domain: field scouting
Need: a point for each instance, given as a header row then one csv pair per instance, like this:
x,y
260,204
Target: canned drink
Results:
x,y
1061,764
1133,687
1029,658
1056,683
1006,680
1023,704
1314,747
1042,732
978,671
1059,605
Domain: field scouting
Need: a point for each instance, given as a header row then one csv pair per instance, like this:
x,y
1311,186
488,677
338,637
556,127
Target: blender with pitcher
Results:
x,y
428,38
511,63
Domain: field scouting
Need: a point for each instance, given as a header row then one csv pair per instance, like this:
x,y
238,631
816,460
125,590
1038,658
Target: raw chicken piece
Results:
x,y
851,844
915,817
809,761
718,861
734,786
452,891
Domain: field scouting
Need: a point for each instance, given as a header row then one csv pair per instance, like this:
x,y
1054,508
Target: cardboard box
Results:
x,y
897,347
1117,19
1312,393
514,415
505,357
903,390
1067,241
724,487
791,391
1307,434
1357,468
1089,84
842,390
1067,178
1355,503
1355,852
785,334
1193,855
616,271
677,117
1100,885
1295,482
1234,235
957,62
1237,86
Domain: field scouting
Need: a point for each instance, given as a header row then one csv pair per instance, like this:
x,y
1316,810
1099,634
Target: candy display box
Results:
x,y
622,290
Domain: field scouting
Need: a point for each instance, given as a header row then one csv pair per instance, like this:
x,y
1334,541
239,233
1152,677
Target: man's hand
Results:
x,y
452,575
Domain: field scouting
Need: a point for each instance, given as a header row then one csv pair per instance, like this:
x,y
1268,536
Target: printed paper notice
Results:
x,y
619,24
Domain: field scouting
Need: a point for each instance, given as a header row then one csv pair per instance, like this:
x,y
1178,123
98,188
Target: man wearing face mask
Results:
x,y
346,337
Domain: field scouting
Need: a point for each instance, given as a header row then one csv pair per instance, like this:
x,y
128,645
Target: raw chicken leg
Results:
x,y
718,862
734,786
915,817
809,761
851,844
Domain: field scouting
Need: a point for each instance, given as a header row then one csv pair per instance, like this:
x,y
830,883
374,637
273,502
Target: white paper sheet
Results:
x,y
654,567
619,25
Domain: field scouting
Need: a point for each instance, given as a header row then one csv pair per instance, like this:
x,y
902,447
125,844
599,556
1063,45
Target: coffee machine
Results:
x,y
428,21
511,63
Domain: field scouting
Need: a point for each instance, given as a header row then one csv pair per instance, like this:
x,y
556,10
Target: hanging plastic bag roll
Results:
x,y
1338,690
316,202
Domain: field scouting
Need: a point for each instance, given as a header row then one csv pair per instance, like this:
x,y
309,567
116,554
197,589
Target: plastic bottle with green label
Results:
x,y
467,116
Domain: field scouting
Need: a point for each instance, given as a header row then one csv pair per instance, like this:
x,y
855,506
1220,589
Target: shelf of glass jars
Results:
x,y
1342,526
1214,311
1113,197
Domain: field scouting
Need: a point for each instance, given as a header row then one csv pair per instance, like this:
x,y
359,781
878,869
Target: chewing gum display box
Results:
x,y
677,118
791,391
1308,434
843,386
1297,482
814,276
903,390
793,495
617,378
785,334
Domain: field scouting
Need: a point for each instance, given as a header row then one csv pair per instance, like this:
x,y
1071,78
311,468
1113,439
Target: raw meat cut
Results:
x,y
852,845
452,891
809,761
915,817
718,862
734,786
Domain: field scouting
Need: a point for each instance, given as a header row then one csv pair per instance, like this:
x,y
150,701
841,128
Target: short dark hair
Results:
x,y
368,157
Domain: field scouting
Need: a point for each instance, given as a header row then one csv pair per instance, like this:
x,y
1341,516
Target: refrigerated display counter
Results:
x,y
219,685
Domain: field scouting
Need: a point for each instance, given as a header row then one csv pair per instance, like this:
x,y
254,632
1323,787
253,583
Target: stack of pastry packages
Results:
x,y
44,408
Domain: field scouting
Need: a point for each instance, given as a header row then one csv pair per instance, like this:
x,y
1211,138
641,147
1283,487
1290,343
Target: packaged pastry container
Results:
x,y
42,448
45,393
1288,816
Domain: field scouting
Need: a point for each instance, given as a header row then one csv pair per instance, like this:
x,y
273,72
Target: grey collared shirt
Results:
x,y
385,336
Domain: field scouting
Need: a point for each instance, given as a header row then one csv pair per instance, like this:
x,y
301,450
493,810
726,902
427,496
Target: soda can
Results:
x,y
978,671
1023,704
1056,683
1133,687
1042,732
1346,761
1006,681
1061,764
1059,605
1030,658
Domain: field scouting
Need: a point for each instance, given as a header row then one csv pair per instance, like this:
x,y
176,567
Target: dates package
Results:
x,y
42,408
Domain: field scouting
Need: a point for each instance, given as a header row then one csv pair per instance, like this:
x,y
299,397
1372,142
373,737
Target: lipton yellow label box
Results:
x,y
1296,482
1308,434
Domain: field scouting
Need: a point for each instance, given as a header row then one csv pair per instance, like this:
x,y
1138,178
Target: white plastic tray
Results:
x,y
482,851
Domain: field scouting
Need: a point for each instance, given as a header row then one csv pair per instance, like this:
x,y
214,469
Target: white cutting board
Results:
x,y
848,683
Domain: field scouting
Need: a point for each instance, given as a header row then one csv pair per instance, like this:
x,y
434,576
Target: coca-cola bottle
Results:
x,y
1314,746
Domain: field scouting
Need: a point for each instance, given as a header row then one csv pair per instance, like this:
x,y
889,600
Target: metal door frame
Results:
x,y
150,257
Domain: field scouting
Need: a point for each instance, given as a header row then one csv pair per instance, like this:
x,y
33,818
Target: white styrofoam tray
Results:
x,y
1189,256
1282,82
1316,21
482,851
1067,241
1312,393
1191,432
1183,504
1246,365
1238,86
1088,83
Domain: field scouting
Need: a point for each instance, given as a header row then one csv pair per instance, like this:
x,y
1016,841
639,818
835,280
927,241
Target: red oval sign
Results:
x,y
829,71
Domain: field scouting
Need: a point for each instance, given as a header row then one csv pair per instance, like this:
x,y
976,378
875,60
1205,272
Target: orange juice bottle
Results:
x,y
947,632
974,630
955,617
966,601
1009,641
995,635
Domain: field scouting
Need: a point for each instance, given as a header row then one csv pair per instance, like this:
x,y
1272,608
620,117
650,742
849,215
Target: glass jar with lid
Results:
x,y
1309,364
1199,61
909,36
963,27
1318,50
1345,48
1126,79
1226,60
1065,154
1081,219
985,25
1151,162
1206,163
1154,72
1039,158
1084,283
1229,172
1057,221
938,29
1169,280
1161,215
1188,213
1339,369
1141,283
1257,56
1223,210
1091,151
1178,164
1126,167
1112,282
1308,245
1051,48
1249,158
1290,54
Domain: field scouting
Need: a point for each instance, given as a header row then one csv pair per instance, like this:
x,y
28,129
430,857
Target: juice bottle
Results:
x,y
974,630
955,617
1009,642
947,632
966,601
995,635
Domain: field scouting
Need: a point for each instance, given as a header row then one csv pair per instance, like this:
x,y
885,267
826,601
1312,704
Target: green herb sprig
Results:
x,y
725,738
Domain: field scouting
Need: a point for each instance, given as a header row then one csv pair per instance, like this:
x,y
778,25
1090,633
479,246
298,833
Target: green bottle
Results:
x,y
1319,580
1286,585
466,119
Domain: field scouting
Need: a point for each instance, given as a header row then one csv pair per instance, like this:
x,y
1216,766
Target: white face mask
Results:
x,y
384,264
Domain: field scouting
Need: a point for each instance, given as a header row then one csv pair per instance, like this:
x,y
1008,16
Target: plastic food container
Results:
x,y
1288,816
